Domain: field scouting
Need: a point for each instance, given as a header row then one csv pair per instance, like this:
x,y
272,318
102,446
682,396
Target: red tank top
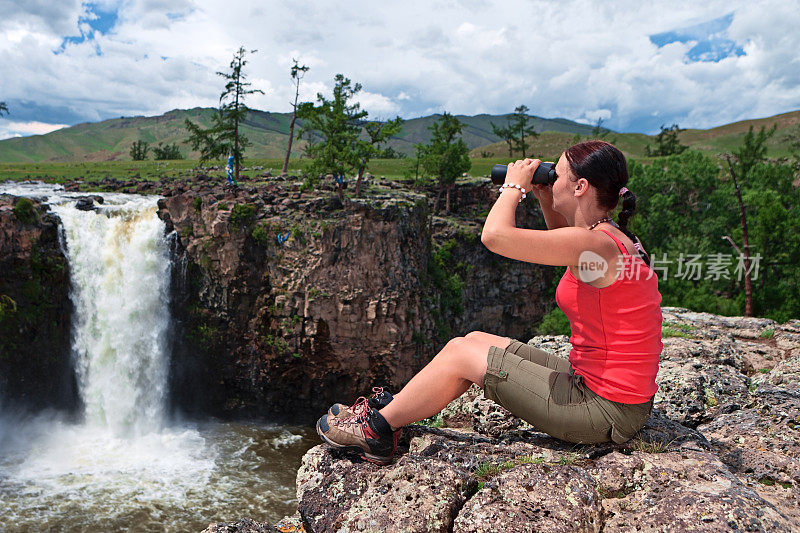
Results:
x,y
616,330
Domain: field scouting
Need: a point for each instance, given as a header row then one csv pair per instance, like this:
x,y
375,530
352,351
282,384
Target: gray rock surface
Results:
x,y
721,452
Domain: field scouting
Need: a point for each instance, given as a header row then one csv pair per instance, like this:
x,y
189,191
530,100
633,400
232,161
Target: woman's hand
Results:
x,y
543,193
520,173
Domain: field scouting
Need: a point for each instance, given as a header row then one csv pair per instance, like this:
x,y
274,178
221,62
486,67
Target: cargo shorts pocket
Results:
x,y
494,373
633,418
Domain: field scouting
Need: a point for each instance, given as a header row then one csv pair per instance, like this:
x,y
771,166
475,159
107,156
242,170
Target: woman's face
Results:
x,y
563,187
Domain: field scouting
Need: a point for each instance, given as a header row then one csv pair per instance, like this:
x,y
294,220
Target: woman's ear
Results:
x,y
581,186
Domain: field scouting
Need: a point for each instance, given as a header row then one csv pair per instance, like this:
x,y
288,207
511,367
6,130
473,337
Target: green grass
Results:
x,y
94,171
767,334
487,469
436,421
639,445
672,332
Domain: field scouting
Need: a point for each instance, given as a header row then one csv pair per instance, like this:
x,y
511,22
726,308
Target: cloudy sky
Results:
x,y
636,64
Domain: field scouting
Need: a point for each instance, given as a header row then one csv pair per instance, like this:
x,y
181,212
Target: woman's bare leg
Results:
x,y
462,362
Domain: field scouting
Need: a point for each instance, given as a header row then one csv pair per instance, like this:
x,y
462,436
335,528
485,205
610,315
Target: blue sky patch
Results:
x,y
99,21
711,42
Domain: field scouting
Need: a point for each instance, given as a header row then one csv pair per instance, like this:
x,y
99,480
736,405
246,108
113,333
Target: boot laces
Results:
x,y
362,403
360,411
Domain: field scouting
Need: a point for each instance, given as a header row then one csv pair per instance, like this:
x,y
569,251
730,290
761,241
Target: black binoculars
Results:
x,y
545,174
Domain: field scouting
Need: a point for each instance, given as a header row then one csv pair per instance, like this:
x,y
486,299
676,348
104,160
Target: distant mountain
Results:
x,y
268,132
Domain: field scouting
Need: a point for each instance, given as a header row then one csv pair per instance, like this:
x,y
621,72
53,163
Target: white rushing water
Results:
x,y
120,271
126,466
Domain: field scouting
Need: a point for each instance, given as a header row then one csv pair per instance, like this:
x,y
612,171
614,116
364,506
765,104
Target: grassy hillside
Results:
x,y
111,140
715,140
727,137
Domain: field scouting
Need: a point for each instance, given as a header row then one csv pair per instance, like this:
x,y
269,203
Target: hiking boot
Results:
x,y
379,399
367,433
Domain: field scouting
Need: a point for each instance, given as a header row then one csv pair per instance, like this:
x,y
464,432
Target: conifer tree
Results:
x,y
750,153
522,132
446,156
298,71
224,136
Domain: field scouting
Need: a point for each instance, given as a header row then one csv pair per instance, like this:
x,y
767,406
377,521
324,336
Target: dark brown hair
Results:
x,y
604,166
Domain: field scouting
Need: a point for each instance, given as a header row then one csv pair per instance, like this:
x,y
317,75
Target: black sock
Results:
x,y
379,424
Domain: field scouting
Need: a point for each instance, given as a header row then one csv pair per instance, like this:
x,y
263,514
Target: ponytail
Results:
x,y
628,209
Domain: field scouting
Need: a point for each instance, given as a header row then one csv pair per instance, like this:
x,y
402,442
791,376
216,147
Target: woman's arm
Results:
x,y
559,246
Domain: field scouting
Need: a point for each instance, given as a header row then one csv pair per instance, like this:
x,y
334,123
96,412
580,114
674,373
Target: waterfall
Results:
x,y
124,466
119,261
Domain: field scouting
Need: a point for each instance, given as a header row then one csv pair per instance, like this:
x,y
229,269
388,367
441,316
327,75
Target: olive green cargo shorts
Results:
x,y
543,390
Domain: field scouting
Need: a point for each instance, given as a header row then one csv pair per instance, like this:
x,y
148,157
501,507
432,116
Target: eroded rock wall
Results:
x,y
356,296
35,309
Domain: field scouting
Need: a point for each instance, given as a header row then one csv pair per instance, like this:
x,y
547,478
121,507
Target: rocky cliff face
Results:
x,y
720,453
287,301
283,301
35,368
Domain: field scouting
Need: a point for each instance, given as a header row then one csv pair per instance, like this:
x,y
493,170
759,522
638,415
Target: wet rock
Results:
x,y
35,364
245,525
85,203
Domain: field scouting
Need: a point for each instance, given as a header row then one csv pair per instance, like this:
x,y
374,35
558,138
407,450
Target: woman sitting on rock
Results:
x,y
609,293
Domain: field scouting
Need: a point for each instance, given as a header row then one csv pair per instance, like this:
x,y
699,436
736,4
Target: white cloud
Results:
x,y
576,59
20,129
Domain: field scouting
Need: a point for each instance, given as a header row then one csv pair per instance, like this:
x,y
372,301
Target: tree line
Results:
x,y
740,211
340,138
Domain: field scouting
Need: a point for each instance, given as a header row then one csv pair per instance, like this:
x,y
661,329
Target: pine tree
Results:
x,y
333,129
667,142
507,134
750,153
139,150
224,136
446,156
298,71
521,130
377,133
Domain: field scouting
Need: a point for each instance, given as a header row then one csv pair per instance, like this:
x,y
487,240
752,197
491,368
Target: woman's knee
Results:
x,y
488,339
455,347
466,357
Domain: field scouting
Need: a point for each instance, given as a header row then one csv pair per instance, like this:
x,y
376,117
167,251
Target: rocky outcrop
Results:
x,y
35,367
727,464
287,301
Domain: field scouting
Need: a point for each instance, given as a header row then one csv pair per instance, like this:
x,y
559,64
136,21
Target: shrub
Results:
x,y
242,214
554,323
25,211
7,306
197,203
262,234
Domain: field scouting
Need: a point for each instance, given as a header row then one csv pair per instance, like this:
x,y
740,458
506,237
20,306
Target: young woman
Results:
x,y
609,293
